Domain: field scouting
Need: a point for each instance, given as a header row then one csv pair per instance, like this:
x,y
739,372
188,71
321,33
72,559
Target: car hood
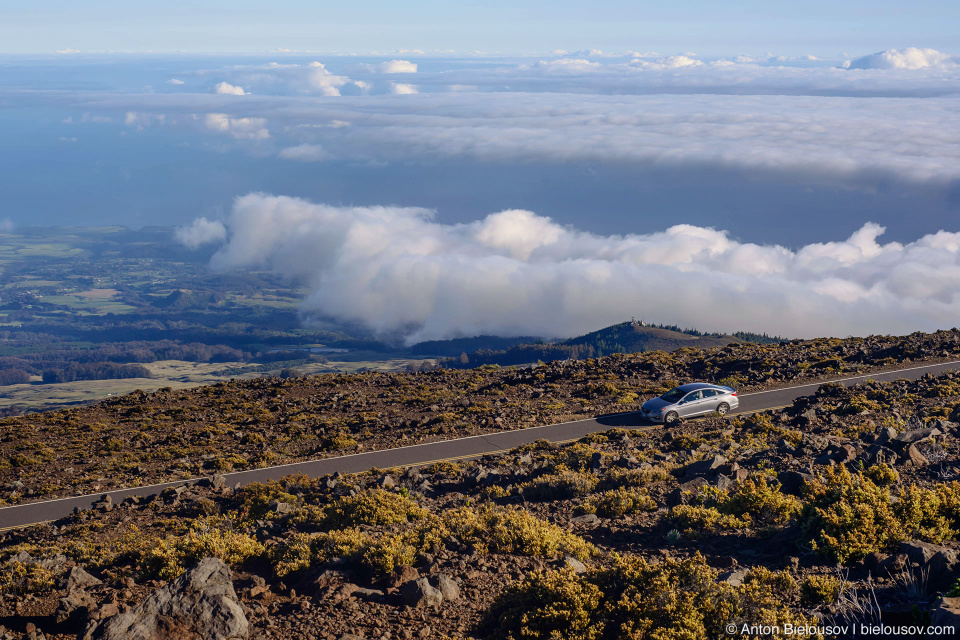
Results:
x,y
655,404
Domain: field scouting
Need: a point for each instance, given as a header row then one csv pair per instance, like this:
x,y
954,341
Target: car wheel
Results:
x,y
722,408
671,418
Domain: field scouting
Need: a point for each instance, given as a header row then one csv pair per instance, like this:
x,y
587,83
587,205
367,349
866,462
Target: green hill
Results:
x,y
626,337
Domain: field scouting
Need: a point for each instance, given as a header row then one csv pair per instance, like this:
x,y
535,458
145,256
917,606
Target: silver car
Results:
x,y
689,400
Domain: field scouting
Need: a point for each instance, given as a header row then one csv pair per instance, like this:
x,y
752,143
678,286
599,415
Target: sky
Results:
x,y
702,26
437,171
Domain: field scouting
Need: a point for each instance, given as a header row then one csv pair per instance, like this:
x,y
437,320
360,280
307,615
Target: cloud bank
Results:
x,y
910,58
407,277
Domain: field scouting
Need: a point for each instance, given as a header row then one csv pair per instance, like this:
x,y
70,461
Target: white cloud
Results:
x,y
175,81
910,58
516,273
201,232
564,66
273,78
390,66
225,88
305,153
239,128
6,225
402,89
139,119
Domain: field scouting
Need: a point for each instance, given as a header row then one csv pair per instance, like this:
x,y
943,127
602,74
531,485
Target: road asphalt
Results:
x,y
456,449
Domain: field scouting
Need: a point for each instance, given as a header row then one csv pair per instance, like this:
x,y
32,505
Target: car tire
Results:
x,y
722,408
671,418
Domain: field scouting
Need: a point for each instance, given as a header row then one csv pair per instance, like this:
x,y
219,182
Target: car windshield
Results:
x,y
673,395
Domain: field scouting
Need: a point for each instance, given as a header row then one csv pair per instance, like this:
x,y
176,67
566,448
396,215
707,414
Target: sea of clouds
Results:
x,y
407,277
892,117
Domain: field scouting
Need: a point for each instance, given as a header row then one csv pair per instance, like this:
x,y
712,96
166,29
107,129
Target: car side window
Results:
x,y
693,396
709,393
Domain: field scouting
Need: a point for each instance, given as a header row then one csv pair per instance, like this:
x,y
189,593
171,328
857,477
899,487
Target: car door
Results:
x,y
689,405
711,399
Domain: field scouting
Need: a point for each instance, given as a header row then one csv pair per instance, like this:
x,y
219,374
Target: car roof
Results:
x,y
693,386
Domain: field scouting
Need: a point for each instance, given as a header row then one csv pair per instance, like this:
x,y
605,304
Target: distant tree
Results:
x,y
14,376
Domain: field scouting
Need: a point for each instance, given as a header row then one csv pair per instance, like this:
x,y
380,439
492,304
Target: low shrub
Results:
x,y
560,486
882,475
635,599
377,507
25,577
305,550
207,537
697,520
820,590
492,529
849,516
619,502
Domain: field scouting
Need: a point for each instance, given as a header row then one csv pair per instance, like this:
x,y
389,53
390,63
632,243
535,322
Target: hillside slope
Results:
x,y
626,337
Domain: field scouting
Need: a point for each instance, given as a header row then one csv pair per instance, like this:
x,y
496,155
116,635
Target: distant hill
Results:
x,y
626,337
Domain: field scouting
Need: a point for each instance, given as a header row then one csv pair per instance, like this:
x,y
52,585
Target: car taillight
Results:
x,y
734,393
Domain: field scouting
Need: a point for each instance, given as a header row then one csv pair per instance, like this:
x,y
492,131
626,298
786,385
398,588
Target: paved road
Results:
x,y
460,448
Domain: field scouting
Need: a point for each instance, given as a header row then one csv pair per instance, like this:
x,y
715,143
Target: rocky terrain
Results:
x,y
843,508
147,438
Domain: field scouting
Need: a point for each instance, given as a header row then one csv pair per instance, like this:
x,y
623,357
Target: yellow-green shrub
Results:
x,y
25,577
848,516
560,486
208,537
375,507
760,502
637,600
305,550
694,520
492,529
618,502
636,477
255,499
547,606
820,590
882,475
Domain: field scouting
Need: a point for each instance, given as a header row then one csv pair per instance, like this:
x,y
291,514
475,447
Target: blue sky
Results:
x,y
703,26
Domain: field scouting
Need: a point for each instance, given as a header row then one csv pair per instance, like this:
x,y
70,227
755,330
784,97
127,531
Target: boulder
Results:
x,y
201,603
915,436
879,454
589,518
885,435
723,482
576,565
704,467
846,453
915,457
281,508
792,482
74,607
945,614
735,577
446,585
77,578
420,592
940,562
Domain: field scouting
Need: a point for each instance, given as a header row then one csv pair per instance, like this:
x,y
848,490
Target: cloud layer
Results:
x,y
408,277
